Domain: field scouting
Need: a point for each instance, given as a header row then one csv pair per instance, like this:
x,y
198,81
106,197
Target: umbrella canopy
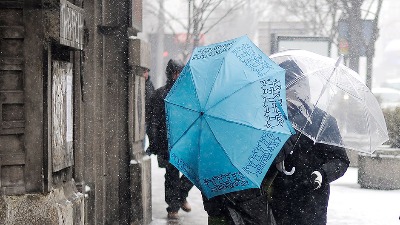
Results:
x,y
226,117
321,92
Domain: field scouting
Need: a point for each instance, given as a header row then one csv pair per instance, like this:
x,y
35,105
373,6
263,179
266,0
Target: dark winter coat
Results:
x,y
293,199
149,90
246,207
158,126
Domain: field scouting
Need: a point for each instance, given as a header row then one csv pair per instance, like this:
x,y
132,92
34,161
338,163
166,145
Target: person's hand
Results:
x,y
311,182
149,151
316,180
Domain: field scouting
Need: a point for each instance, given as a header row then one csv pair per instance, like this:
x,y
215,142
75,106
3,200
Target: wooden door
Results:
x,y
12,116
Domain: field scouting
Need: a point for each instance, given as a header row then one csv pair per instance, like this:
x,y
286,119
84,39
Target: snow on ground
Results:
x,y
351,205
348,205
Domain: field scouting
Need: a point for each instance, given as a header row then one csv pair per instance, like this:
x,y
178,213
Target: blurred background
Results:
x,y
365,31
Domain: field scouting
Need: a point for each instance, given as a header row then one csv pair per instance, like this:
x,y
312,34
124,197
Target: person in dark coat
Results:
x,y
302,197
148,92
245,207
176,187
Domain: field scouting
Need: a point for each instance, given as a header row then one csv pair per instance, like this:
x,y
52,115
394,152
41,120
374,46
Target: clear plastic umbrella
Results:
x,y
322,88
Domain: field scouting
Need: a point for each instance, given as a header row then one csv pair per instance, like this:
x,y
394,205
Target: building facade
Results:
x,y
72,113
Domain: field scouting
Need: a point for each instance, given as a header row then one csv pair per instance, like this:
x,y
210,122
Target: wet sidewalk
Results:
x,y
196,217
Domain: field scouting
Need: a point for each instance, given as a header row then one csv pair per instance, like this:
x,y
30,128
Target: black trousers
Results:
x,y
300,207
176,188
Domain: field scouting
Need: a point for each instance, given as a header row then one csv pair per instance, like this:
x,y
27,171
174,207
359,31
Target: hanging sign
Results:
x,y
71,25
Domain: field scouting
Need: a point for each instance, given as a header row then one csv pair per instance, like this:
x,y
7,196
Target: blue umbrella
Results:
x,y
226,117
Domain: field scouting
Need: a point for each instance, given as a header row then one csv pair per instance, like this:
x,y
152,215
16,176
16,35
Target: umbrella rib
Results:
x,y
369,131
368,125
242,124
215,137
193,110
365,113
215,78
368,120
379,124
355,89
325,86
319,69
183,134
353,86
329,78
339,87
328,82
261,78
323,122
325,118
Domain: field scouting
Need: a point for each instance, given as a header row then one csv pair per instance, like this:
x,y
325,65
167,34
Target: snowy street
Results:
x,y
349,204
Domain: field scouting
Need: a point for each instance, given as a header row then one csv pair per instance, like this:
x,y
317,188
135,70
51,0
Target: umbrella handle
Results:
x,y
281,167
289,172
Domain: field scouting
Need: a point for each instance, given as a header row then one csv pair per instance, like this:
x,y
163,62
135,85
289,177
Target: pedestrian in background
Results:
x,y
302,198
148,92
177,187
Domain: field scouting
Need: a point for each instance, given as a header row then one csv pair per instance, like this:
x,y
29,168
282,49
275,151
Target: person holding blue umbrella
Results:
x,y
176,187
226,119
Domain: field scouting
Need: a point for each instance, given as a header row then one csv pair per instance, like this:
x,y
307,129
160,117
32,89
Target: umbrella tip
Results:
x,y
340,59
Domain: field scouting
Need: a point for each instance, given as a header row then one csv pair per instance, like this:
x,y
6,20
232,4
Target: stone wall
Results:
x,y
141,191
353,157
380,170
64,205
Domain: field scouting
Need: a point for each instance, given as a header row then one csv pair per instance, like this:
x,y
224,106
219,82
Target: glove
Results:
x,y
316,180
148,152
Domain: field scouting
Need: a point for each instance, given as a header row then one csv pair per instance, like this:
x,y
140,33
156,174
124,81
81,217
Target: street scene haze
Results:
x,y
200,112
